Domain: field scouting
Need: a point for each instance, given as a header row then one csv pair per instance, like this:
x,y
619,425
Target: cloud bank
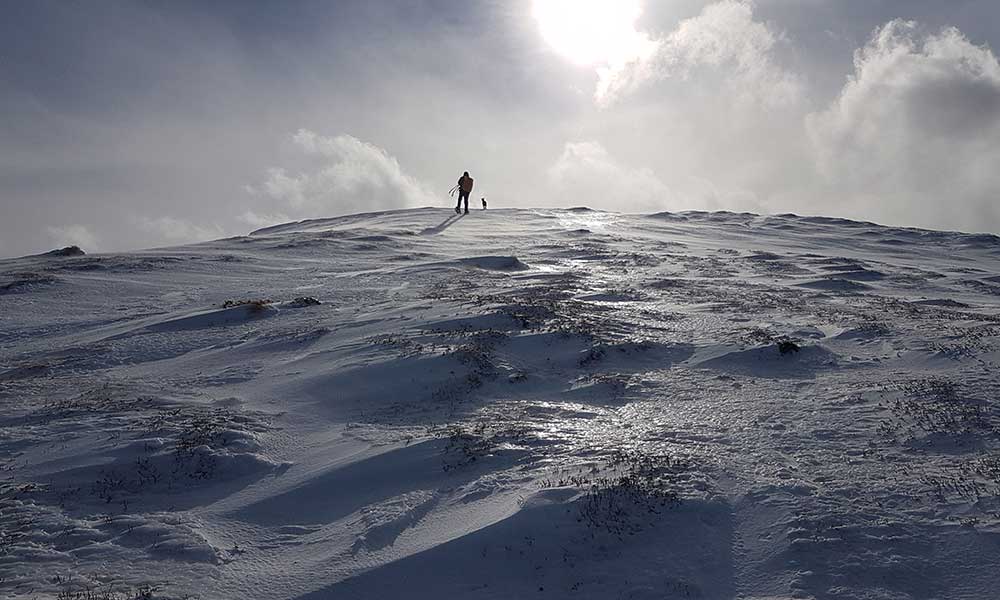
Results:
x,y
348,175
724,39
916,130
912,137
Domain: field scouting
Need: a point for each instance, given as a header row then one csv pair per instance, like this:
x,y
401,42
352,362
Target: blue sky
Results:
x,y
137,124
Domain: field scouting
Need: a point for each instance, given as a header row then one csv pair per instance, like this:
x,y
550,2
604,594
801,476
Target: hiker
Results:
x,y
464,189
484,203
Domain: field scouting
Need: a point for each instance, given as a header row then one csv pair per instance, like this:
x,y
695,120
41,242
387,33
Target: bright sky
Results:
x,y
137,124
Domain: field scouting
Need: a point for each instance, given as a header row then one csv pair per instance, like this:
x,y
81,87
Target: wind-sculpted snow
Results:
x,y
24,281
507,404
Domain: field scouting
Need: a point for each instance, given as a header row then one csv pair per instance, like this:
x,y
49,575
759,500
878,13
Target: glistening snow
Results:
x,y
510,404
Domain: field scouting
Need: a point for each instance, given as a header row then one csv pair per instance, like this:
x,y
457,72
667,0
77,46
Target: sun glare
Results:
x,y
592,32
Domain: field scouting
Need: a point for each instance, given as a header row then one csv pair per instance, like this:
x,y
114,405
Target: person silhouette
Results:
x,y
464,189
484,203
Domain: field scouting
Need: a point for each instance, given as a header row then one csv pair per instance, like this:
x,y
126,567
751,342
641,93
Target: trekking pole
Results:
x,y
452,191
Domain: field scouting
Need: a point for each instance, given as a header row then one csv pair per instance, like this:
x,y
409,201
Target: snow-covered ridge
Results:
x,y
784,221
508,404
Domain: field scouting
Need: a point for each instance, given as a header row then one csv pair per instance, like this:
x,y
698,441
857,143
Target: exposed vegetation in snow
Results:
x,y
550,403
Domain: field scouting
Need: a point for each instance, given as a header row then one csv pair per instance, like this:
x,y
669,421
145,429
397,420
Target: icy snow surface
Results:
x,y
509,404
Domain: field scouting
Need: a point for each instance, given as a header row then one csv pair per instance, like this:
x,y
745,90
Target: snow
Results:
x,y
507,404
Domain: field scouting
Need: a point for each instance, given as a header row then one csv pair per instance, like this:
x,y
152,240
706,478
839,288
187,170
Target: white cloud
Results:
x,y
73,235
724,39
173,230
586,174
355,176
914,136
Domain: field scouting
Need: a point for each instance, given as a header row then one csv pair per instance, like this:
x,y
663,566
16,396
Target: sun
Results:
x,y
593,32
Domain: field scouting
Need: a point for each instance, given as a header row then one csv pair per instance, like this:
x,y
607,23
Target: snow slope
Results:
x,y
509,404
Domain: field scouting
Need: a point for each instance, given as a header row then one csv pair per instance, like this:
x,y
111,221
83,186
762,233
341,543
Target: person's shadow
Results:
x,y
444,225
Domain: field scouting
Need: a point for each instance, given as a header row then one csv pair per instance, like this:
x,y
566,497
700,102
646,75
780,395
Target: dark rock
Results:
x,y
787,347
67,251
